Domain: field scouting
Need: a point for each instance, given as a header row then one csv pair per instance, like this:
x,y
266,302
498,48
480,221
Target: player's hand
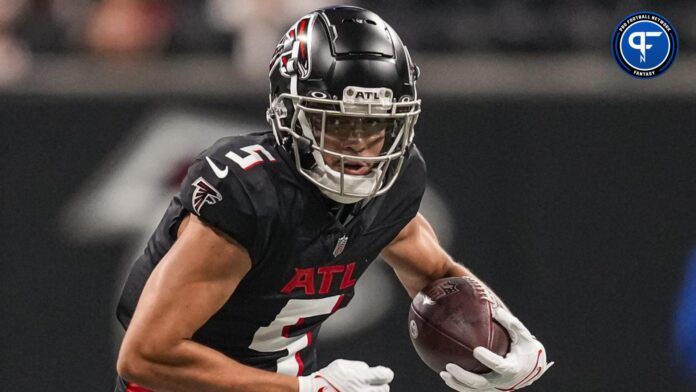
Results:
x,y
348,376
523,365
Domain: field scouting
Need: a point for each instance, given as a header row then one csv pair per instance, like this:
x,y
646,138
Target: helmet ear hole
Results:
x,y
416,72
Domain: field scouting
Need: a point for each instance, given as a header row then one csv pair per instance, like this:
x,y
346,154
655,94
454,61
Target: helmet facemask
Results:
x,y
353,148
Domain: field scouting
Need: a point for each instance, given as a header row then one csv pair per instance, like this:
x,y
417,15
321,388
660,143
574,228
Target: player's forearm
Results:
x,y
189,366
456,269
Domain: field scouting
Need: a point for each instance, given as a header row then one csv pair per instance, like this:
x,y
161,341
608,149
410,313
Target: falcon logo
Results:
x,y
204,194
292,52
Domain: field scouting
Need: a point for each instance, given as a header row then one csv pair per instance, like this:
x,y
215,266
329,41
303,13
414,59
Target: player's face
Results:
x,y
358,136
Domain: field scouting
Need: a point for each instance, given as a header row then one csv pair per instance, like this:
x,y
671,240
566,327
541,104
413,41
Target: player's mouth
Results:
x,y
353,168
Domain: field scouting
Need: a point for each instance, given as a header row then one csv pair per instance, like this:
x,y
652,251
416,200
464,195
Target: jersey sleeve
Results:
x,y
218,198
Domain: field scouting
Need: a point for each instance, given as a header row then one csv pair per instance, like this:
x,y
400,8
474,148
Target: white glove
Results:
x,y
348,376
523,365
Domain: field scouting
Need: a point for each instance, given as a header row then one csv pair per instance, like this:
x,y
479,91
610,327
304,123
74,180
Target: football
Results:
x,y
449,318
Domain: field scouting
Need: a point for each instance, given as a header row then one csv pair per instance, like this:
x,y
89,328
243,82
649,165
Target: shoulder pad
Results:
x,y
228,187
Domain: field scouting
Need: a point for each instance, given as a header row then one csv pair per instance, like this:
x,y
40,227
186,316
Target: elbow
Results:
x,y
133,364
130,365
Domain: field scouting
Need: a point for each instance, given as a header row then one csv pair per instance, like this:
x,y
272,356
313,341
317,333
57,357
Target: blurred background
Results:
x,y
564,182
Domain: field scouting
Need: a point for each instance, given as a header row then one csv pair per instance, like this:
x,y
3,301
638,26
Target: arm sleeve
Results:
x,y
220,202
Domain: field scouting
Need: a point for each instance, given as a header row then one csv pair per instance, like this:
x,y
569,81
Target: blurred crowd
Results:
x,y
127,29
124,30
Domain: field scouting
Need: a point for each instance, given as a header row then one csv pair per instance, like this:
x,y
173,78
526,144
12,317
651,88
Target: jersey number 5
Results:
x,y
253,158
276,336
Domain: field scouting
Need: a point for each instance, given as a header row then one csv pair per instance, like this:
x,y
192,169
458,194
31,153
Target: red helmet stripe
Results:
x,y
302,35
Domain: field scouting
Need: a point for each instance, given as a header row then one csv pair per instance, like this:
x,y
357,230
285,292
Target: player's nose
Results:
x,y
354,144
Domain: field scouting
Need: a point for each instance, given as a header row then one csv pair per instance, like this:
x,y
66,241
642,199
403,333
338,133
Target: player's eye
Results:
x,y
375,125
347,126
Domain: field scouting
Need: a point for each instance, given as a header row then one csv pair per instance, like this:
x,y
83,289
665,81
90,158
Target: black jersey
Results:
x,y
305,262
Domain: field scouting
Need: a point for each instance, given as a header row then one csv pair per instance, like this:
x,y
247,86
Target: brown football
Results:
x,y
448,319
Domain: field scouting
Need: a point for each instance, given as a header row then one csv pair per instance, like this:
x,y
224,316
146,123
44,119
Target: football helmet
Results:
x,y
338,75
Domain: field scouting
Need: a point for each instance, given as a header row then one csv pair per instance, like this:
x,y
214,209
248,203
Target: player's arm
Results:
x,y
418,259
192,281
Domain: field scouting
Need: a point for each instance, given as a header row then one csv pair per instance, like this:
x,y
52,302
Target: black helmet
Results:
x,y
343,67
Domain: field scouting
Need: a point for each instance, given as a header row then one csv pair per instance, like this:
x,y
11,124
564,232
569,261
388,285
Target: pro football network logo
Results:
x,y
204,193
645,44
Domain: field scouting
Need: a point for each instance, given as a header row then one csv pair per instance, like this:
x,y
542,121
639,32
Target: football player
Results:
x,y
271,231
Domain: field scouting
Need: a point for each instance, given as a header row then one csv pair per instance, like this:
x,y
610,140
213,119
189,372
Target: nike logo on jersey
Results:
x,y
220,173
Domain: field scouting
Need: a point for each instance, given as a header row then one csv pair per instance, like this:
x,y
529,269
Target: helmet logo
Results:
x,y
292,52
319,94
